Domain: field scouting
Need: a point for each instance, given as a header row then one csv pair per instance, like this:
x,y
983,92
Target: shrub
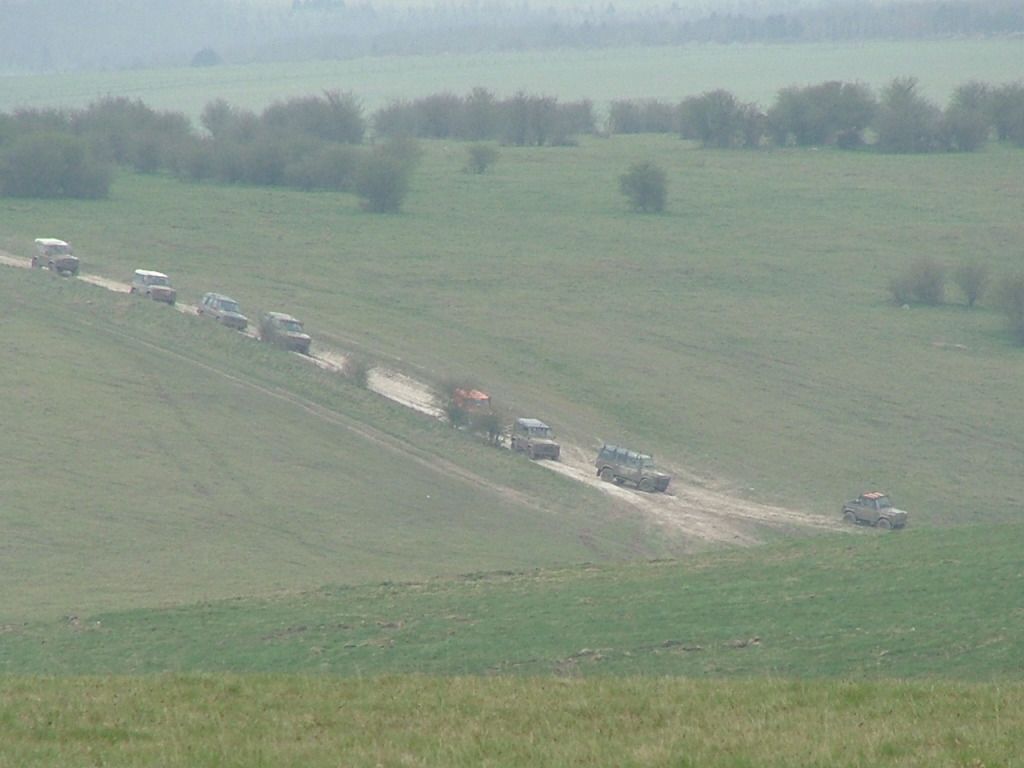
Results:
x,y
335,117
328,167
1006,104
924,282
901,290
906,122
207,57
641,116
481,157
718,119
972,280
382,181
645,185
52,165
357,368
490,424
828,113
458,416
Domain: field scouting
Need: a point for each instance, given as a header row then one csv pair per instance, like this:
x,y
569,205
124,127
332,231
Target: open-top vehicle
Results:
x,y
874,508
471,400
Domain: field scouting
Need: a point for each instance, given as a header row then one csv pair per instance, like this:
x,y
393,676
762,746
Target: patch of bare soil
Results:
x,y
102,282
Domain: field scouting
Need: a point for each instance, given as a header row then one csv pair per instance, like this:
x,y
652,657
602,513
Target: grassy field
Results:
x,y
746,335
752,72
153,458
175,497
919,604
242,721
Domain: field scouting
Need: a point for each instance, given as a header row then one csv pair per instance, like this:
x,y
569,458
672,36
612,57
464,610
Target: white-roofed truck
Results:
x,y
55,255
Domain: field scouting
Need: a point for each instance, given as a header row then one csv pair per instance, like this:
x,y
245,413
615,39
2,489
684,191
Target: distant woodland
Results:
x,y
60,35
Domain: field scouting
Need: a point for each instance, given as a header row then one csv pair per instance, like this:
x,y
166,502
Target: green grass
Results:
x,y
746,335
154,458
231,721
917,604
752,72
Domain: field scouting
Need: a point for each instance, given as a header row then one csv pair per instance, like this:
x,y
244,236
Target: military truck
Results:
x,y
874,508
534,438
619,465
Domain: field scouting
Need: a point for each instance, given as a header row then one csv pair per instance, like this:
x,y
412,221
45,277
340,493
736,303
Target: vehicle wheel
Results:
x,y
849,517
35,262
884,523
606,474
646,485
530,453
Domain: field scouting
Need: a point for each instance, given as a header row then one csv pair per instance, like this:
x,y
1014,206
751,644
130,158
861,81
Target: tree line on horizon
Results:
x,y
61,35
320,142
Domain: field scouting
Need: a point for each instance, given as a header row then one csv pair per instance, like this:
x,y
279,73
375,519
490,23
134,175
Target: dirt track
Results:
x,y
688,508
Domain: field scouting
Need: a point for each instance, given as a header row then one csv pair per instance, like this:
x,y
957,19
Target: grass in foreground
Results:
x,y
914,604
309,722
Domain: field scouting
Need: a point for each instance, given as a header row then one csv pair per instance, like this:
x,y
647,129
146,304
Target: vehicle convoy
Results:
x,y
223,309
619,465
55,255
284,331
874,508
534,438
153,285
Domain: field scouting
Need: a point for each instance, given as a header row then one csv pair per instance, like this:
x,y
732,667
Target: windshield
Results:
x,y
229,306
883,502
292,326
58,250
540,431
157,280
647,461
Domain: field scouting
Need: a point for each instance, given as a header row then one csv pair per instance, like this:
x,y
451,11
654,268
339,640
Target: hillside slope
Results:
x,y
746,337
153,458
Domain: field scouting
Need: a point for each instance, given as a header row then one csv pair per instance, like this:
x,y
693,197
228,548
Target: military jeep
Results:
x,y
284,331
535,439
874,508
55,255
619,465
153,285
